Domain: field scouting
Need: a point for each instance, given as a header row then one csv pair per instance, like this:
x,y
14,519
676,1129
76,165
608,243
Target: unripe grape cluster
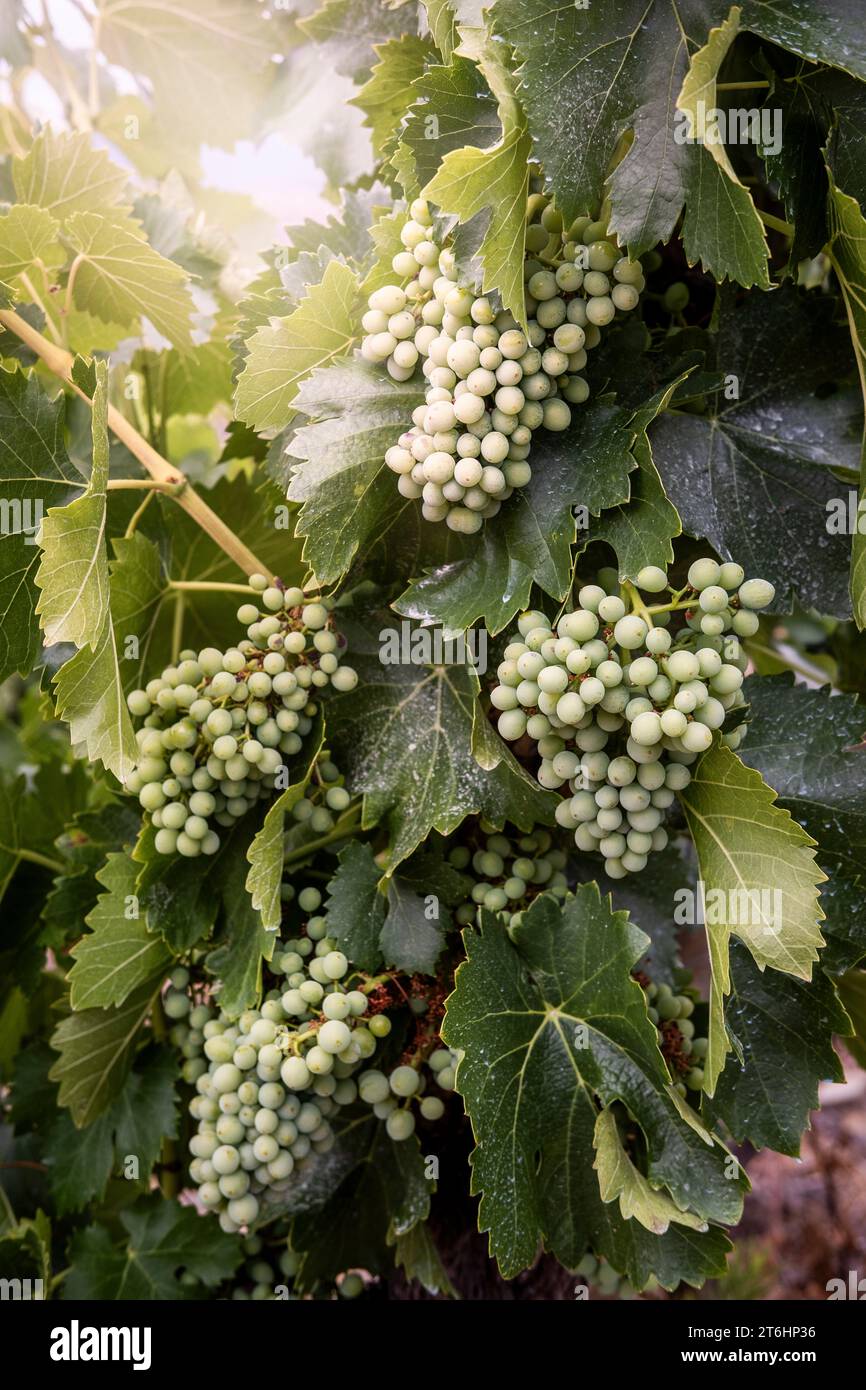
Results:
x,y
491,384
262,1271
269,1083
620,707
605,1278
217,726
684,1053
509,874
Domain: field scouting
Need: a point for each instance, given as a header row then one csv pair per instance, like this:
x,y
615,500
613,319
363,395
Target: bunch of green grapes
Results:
x,y
269,1082
491,383
684,1053
325,798
217,726
620,707
509,874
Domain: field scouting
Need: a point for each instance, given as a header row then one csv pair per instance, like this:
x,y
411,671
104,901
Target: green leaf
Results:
x,y
453,107
33,811
223,48
25,1250
266,854
163,1238
347,491
413,935
618,1178
404,738
84,844
806,745
552,1027
781,1030
769,440
847,251
176,895
416,1254
73,571
722,228
244,941
65,173
282,354
495,180
79,1162
751,854
640,531
35,474
28,233
384,97
351,29
96,1049
119,954
385,1194
89,696
355,907
120,276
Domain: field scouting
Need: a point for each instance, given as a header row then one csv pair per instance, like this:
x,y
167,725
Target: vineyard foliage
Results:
x,y
432,743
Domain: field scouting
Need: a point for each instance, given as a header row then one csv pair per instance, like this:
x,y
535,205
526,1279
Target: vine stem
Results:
x,y
141,484
775,223
43,860
59,361
208,586
810,673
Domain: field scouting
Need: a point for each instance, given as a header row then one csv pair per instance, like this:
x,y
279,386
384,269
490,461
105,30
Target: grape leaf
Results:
x,y
847,252
120,276
807,746
472,179
73,571
613,70
404,739
119,954
618,1178
33,810
265,854
351,29
80,1163
781,1031
27,234
65,173
453,107
84,845
218,47
355,907
384,1195
241,942
348,492
641,530
175,894
96,1049
89,687
35,474
552,1025
752,475
751,853
163,1238
282,354
416,1254
25,1247
384,97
